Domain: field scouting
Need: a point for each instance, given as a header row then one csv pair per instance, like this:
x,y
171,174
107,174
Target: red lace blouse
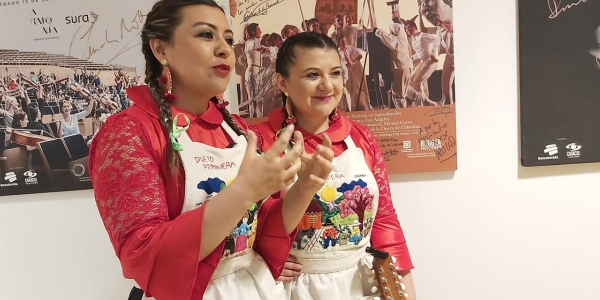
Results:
x,y
386,234
140,202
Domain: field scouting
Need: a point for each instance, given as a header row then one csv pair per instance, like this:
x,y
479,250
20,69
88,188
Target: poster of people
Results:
x,y
559,70
64,68
399,62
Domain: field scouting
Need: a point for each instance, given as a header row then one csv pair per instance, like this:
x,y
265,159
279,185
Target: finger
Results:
x,y
326,140
282,142
293,267
299,139
298,161
325,167
324,152
292,154
292,258
251,150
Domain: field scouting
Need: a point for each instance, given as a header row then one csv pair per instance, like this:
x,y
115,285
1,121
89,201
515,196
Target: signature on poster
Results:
x,y
264,82
435,137
251,8
125,27
389,153
440,110
556,7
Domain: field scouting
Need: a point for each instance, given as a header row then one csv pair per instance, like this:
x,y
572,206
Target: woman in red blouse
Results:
x,y
354,208
179,185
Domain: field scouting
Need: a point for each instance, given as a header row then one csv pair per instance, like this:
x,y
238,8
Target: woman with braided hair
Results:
x,y
183,194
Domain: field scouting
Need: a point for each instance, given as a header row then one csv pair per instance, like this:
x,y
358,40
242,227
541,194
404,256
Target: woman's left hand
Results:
x,y
316,167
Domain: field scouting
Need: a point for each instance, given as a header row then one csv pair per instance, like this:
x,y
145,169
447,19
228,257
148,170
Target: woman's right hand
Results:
x,y
267,174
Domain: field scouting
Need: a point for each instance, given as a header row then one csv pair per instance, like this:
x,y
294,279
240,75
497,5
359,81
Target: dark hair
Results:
x,y
161,21
286,56
273,37
251,29
410,23
17,118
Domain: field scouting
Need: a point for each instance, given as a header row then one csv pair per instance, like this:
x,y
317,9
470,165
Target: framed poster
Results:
x,y
559,77
402,89
64,68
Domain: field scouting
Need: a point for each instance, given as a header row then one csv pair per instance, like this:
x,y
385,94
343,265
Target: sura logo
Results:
x,y
573,150
81,18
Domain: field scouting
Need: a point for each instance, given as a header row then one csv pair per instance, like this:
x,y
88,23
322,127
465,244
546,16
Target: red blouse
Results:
x,y
386,234
140,202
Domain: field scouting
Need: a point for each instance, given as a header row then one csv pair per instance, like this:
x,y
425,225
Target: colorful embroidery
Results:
x,y
242,237
337,218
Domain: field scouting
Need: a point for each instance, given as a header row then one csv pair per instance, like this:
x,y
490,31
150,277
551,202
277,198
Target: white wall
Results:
x,y
491,230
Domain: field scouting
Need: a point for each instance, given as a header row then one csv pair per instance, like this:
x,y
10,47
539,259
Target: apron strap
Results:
x,y
349,142
229,130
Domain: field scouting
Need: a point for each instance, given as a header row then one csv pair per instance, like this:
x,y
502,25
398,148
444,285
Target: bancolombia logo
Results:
x,y
80,18
45,23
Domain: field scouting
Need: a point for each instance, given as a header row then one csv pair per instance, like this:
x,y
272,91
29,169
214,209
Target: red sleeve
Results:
x,y
272,243
387,234
161,255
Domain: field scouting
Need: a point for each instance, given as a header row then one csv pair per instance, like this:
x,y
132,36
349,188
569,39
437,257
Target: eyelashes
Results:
x,y
313,75
210,35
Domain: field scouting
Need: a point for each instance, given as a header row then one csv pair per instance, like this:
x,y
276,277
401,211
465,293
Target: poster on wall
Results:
x,y
402,88
64,68
559,70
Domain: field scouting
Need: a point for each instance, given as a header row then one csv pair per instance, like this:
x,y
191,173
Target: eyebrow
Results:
x,y
211,26
317,69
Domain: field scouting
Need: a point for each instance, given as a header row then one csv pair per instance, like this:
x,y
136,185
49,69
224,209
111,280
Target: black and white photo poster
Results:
x,y
559,71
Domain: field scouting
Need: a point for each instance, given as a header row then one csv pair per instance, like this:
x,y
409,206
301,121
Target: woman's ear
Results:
x,y
281,82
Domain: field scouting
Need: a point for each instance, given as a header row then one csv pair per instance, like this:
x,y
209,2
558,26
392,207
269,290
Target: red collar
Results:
x,y
337,131
142,97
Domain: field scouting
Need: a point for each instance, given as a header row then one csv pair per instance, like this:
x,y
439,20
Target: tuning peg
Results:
x,y
367,270
402,286
393,259
374,289
371,279
383,280
376,298
392,266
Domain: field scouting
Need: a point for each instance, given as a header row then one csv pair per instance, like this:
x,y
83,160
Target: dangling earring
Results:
x,y
167,82
334,116
288,107
221,103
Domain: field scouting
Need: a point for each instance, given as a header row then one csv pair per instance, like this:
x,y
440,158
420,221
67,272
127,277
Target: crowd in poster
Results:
x,y
399,72
65,65
559,90
64,68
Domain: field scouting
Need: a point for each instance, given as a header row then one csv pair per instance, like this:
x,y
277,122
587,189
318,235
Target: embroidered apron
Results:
x,y
241,273
334,232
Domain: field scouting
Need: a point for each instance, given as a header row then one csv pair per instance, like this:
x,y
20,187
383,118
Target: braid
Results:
x,y
284,100
153,73
229,119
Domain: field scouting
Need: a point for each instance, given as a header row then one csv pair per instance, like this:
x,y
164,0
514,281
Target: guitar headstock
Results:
x,y
388,280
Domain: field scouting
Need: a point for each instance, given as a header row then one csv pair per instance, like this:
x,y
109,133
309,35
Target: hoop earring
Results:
x,y
167,81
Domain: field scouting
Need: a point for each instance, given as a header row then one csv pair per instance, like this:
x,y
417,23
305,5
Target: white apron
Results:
x,y
241,273
334,232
